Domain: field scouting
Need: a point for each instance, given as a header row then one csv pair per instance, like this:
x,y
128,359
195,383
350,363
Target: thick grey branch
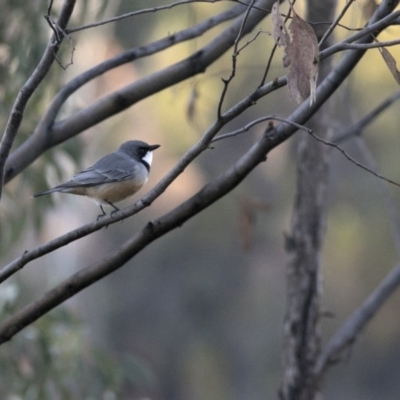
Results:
x,y
283,132
47,134
152,231
205,197
190,155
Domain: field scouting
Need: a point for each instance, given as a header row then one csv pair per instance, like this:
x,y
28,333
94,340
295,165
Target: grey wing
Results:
x,y
109,169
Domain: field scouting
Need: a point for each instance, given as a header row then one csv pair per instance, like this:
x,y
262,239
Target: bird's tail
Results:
x,y
56,189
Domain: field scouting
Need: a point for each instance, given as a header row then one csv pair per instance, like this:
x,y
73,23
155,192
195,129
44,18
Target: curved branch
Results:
x,y
47,134
139,12
348,333
209,194
148,199
374,27
358,127
256,122
152,231
29,88
283,132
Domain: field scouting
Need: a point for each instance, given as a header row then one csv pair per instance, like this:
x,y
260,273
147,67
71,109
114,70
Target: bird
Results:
x,y
113,178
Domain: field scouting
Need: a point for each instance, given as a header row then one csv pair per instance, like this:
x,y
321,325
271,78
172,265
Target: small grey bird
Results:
x,y
114,177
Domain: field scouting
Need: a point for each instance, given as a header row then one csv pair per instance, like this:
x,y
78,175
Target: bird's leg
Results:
x,y
114,207
101,215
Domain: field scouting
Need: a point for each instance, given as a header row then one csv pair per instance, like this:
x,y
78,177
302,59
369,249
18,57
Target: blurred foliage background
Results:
x,y
198,314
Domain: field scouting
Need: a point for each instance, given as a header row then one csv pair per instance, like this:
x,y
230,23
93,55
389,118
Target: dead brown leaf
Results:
x,y
279,30
302,58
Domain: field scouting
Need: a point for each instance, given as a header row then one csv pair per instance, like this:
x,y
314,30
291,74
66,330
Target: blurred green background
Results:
x,y
199,313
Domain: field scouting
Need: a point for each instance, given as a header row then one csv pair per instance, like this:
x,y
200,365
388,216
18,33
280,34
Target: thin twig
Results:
x,y
335,22
139,12
251,40
366,46
235,54
337,147
256,122
369,29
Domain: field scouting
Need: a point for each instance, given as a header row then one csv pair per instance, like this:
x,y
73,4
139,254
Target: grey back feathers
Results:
x,y
132,162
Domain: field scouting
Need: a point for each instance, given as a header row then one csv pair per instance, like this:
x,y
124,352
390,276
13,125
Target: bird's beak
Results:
x,y
153,147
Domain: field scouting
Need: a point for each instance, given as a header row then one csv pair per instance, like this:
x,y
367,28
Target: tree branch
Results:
x,y
29,88
148,199
49,134
335,22
235,54
348,333
152,231
375,26
357,128
139,12
355,162
256,122
210,193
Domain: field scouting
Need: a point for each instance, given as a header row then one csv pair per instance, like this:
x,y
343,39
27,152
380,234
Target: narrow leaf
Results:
x,y
391,63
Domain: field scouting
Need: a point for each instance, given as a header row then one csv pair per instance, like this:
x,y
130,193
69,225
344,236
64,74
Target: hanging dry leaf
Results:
x,y
302,57
279,31
391,63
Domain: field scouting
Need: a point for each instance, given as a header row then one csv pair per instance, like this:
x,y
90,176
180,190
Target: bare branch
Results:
x,y
366,46
235,54
335,22
355,324
148,199
337,147
357,128
139,12
48,134
388,200
256,122
374,27
29,88
210,193
153,230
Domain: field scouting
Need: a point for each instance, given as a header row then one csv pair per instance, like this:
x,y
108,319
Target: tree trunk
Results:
x,y
304,243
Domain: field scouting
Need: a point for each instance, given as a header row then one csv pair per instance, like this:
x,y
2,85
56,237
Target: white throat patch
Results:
x,y
148,157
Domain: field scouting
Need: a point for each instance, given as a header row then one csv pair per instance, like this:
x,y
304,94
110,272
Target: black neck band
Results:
x,y
146,164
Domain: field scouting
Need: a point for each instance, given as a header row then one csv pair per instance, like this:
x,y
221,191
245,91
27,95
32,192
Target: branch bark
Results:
x,y
302,366
152,231
354,325
301,336
48,133
29,88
